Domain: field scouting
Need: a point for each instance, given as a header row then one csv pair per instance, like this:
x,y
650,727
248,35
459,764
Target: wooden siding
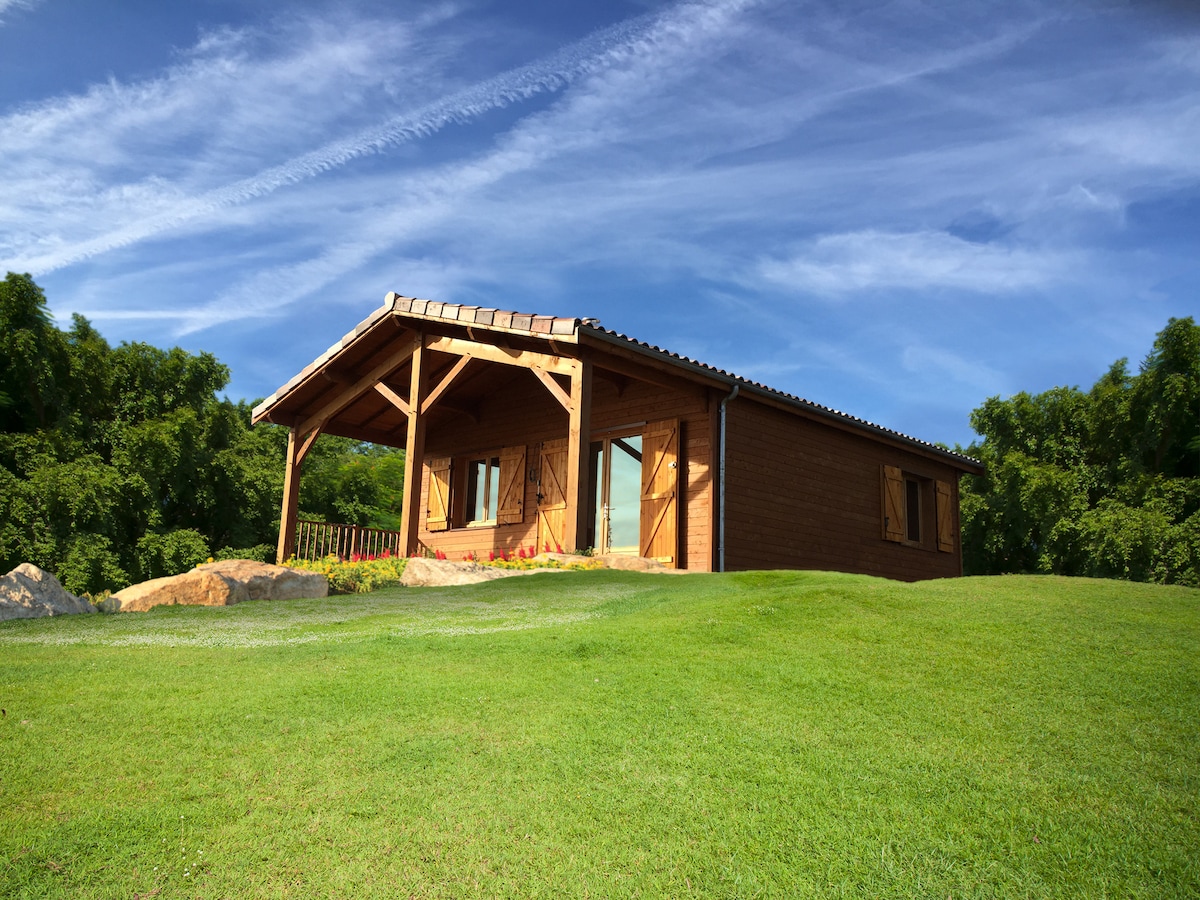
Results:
x,y
522,411
807,496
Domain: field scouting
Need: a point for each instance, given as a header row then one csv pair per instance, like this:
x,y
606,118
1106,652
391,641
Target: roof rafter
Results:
x,y
367,382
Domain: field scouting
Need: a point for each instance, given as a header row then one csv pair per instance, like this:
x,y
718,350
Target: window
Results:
x,y
483,489
477,490
916,509
912,509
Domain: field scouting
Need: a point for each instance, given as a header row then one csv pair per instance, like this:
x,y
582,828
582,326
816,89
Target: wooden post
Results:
x,y
291,495
578,442
414,453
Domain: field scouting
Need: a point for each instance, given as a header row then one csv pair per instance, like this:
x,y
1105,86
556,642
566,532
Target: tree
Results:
x,y
33,363
1104,483
122,463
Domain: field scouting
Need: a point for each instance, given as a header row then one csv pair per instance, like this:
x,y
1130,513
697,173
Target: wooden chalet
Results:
x,y
536,431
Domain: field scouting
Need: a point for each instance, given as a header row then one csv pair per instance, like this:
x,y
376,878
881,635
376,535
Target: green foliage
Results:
x,y
170,553
259,552
90,564
32,363
356,576
1104,483
353,483
121,463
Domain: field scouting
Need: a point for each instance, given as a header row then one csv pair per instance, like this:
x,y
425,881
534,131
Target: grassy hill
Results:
x,y
611,734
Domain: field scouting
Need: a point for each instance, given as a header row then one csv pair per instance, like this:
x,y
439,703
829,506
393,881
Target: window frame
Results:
x,y
918,510
490,464
456,490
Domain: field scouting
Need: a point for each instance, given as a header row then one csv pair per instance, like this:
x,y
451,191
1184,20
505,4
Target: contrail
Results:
x,y
544,76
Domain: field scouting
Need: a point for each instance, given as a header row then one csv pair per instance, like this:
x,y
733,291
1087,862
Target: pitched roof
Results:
x,y
569,330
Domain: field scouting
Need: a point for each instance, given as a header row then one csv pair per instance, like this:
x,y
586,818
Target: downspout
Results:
x,y
721,485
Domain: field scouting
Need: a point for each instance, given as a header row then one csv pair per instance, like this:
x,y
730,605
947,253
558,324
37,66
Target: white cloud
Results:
x,y
875,260
937,366
614,68
10,5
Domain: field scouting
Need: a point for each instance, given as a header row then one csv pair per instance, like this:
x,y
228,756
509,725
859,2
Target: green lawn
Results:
x,y
601,734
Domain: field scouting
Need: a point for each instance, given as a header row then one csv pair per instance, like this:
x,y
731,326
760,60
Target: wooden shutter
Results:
x,y
660,492
552,494
510,505
893,504
437,512
945,517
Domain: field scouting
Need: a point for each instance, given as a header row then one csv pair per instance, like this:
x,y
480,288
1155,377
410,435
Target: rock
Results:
x,y
422,572
576,560
633,563
223,584
621,561
28,592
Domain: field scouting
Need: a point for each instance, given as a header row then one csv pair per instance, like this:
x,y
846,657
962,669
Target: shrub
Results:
x,y
91,566
259,553
170,553
358,575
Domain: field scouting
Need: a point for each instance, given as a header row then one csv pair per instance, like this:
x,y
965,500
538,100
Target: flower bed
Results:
x,y
356,575
362,574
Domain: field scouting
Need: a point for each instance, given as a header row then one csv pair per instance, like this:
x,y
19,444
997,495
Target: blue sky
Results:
x,y
895,209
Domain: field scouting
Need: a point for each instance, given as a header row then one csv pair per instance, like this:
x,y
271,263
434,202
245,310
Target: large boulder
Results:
x,y
628,563
622,561
422,572
28,592
222,584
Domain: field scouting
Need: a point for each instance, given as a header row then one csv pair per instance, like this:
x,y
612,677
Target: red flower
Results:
x,y
491,556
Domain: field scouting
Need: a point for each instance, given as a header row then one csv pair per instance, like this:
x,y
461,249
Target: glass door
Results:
x,y
617,479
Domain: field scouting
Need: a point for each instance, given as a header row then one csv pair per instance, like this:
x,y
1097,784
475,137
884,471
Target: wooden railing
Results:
x,y
315,540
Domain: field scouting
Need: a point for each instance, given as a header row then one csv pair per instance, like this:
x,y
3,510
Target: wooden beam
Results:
x,y
553,387
621,382
444,384
414,454
291,495
578,445
616,367
470,411
332,407
392,397
366,433
308,442
501,354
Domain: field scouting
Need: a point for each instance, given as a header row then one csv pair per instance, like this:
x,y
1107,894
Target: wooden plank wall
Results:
x,y
522,411
804,495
